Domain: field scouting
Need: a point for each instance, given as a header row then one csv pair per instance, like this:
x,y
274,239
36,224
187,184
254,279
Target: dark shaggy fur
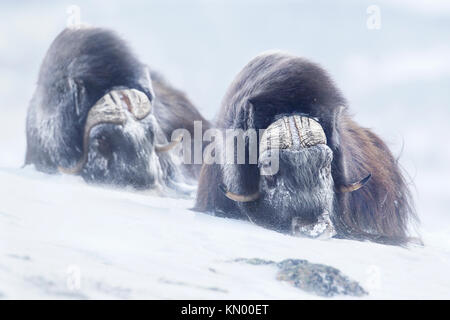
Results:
x,y
80,67
280,84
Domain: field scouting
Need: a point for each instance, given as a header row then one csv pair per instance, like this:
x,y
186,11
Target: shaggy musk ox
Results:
x,y
335,178
98,112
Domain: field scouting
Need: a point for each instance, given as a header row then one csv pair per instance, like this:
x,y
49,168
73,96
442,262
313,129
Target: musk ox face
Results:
x,y
118,145
297,194
300,194
92,114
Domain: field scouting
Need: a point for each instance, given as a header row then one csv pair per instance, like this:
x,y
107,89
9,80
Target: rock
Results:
x,y
255,261
319,279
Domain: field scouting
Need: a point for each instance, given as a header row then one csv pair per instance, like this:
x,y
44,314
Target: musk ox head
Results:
x,y
324,158
297,194
119,144
92,114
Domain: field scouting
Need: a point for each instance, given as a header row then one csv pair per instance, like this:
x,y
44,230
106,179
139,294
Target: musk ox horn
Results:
x,y
354,186
242,198
111,108
292,132
168,146
135,101
239,197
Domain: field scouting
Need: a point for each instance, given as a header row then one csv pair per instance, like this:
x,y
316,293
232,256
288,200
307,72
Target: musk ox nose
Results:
x,y
322,228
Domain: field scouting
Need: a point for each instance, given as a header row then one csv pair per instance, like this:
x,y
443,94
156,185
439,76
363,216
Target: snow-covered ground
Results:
x,y
62,238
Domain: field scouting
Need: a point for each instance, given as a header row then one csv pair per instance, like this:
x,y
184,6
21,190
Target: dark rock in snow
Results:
x,y
255,261
318,279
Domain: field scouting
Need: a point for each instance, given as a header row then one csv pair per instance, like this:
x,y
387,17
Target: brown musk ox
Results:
x,y
334,177
100,113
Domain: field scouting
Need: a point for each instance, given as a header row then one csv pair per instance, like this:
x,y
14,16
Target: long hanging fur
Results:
x,y
275,84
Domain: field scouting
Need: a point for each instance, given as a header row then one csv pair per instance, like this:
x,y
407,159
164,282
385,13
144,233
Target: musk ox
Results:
x,y
100,113
334,177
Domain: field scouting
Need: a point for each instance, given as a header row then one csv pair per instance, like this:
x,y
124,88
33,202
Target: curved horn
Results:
x,y
292,132
134,101
310,132
354,186
168,146
242,198
277,136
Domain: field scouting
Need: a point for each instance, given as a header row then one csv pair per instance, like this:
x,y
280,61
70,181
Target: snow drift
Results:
x,y
62,238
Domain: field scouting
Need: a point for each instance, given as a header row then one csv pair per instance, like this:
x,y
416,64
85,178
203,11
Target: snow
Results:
x,y
62,238
126,244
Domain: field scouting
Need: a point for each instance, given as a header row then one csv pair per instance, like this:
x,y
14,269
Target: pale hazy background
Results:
x,y
396,79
